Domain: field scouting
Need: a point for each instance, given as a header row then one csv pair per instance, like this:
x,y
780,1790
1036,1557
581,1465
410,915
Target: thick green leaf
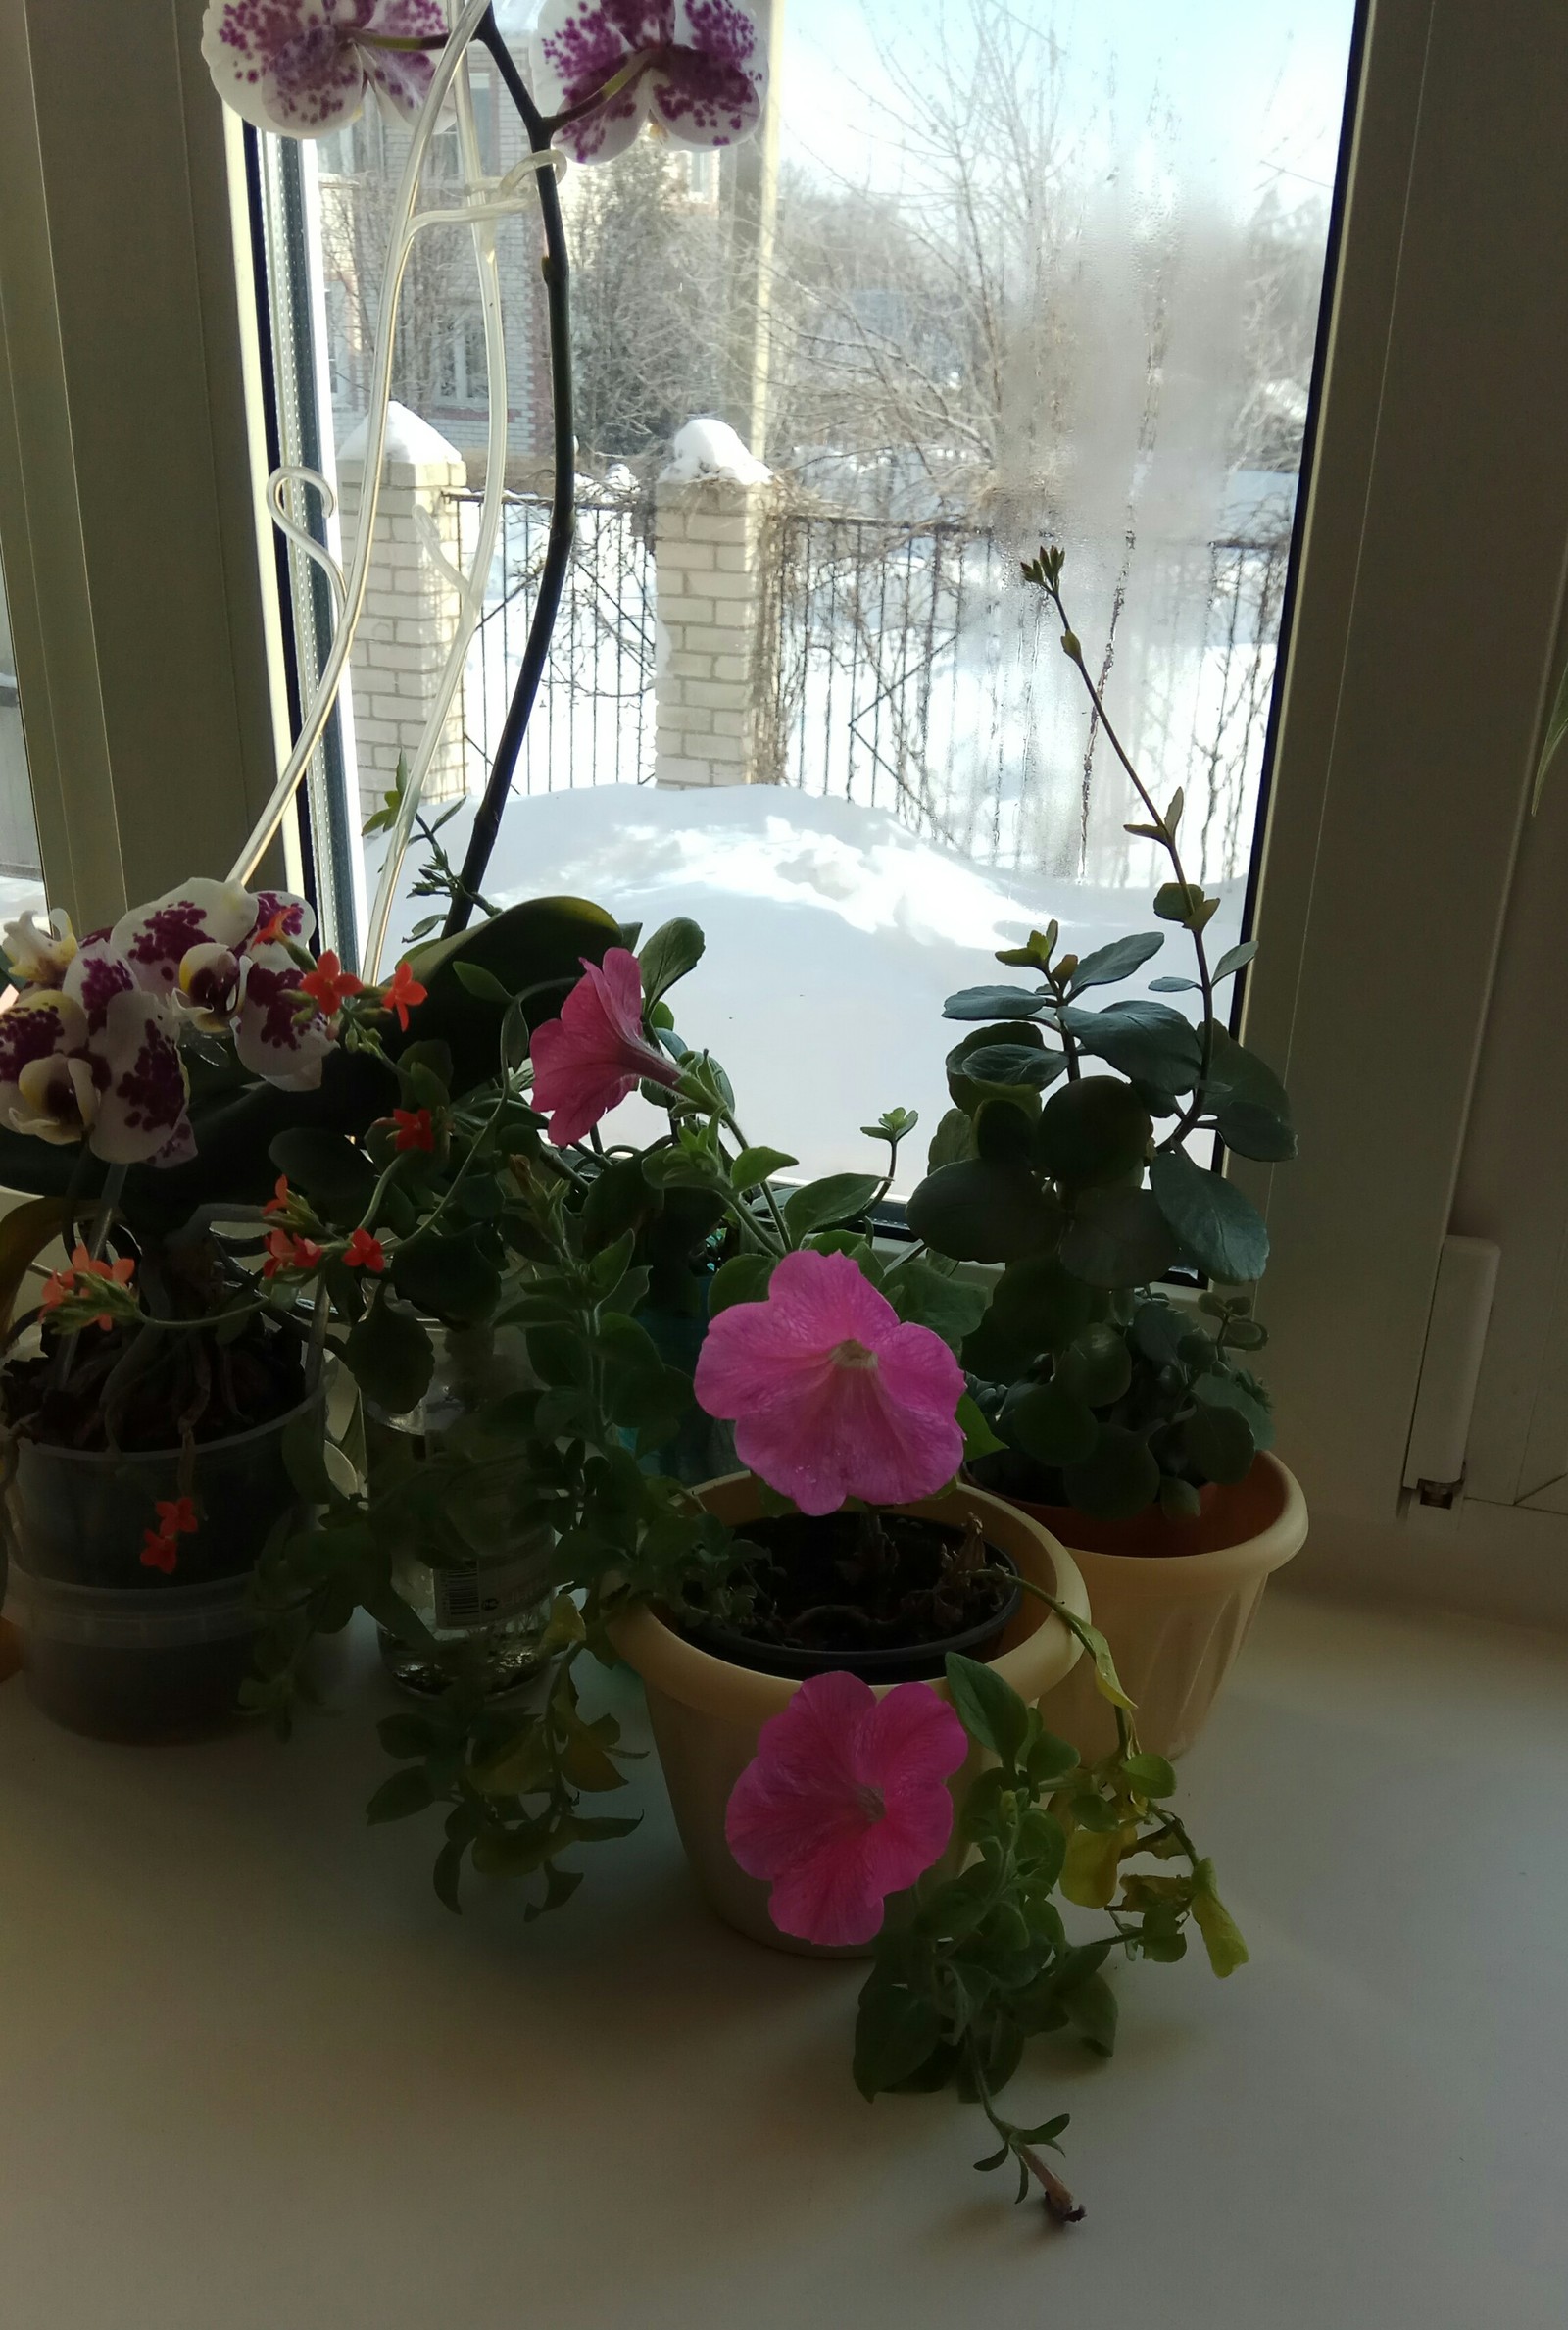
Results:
x,y
1219,1443
1019,1076
996,1003
1096,1367
1116,1480
674,949
929,1298
1093,1132
1012,1065
338,1179
1223,1391
1003,1133
1152,1775
989,1707
896,2030
1117,1237
741,1280
979,1440
1107,966
1233,959
1249,1104
390,1356
982,1213
1157,1330
952,1142
475,980
1035,1306
1142,1039
824,1205
1215,1225
1052,1424
452,1278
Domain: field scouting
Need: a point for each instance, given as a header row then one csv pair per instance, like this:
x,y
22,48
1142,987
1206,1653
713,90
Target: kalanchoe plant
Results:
x,y
1052,1162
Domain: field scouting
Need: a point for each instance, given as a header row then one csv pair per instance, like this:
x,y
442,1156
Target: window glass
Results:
x,y
1005,272
20,875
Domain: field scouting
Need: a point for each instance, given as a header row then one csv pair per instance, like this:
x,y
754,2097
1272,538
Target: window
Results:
x,y
1000,275
20,867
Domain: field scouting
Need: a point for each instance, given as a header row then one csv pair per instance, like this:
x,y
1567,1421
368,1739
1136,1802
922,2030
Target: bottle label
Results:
x,y
490,1592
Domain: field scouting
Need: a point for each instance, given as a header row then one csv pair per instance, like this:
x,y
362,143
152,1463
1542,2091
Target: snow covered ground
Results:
x,y
833,936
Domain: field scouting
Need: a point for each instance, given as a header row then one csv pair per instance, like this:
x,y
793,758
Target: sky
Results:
x,y
1254,87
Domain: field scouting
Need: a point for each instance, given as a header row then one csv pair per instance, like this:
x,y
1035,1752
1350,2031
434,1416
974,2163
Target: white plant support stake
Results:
x,y
402,238
289,473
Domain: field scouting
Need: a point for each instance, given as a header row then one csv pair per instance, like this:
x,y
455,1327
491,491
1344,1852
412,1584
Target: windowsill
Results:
x,y
255,2074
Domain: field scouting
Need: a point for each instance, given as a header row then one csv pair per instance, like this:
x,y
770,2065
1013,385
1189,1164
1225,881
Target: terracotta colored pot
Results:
x,y
1175,1601
706,1713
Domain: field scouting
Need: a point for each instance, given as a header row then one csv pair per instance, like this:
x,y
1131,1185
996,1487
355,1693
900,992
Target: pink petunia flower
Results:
x,y
589,1058
831,1394
696,68
845,1802
302,66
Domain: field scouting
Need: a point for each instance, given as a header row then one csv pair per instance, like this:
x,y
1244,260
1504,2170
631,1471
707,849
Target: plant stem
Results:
x,y
562,509
1168,842
1060,2206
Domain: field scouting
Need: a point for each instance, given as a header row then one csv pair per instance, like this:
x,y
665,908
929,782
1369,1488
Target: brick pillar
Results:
x,y
715,665
410,606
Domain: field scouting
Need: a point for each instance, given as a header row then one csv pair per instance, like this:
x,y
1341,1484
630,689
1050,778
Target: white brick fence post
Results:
x,y
411,605
715,670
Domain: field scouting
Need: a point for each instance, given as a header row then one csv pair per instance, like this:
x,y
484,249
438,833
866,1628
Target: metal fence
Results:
x,y
913,672
905,668
594,723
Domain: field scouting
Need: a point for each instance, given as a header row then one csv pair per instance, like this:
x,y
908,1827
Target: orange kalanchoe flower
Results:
x,y
329,985
176,1517
82,1267
286,1252
278,1202
401,993
159,1552
416,1128
365,1253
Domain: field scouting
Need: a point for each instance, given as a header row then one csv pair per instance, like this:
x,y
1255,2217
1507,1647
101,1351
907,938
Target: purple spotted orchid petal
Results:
x,y
57,1099
281,915
302,66
42,1027
142,1089
708,88
97,971
155,939
698,67
269,1035
40,951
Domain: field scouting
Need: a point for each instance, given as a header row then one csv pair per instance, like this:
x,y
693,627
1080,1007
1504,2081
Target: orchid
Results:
x,y
588,1059
302,66
697,69
831,1394
845,1802
40,953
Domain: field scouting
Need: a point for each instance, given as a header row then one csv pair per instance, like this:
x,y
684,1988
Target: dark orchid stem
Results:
x,y
563,507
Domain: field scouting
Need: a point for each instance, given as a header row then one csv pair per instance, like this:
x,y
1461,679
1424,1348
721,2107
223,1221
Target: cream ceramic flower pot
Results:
x,y
1175,1617
706,1713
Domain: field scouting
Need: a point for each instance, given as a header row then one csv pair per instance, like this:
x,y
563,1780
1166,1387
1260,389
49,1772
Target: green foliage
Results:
x,y
976,1966
1212,1224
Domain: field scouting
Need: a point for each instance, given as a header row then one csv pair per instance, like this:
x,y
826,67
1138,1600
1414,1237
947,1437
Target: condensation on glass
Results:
x,y
1003,272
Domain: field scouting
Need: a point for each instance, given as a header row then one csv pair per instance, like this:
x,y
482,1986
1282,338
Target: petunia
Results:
x,y
589,1058
302,66
698,69
831,1394
845,1802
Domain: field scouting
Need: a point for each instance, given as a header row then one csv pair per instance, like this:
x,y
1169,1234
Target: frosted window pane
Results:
x,y
20,878
1016,271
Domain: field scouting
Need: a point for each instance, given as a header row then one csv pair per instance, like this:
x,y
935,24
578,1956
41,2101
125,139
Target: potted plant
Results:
x,y
162,1403
1126,1416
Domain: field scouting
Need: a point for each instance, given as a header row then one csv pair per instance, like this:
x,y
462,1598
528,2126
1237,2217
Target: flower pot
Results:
x,y
706,1713
1175,1601
113,1648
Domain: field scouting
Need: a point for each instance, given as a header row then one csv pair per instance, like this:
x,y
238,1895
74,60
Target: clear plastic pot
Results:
x,y
117,1648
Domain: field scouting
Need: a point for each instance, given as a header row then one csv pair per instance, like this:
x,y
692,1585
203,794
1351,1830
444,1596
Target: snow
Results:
x,y
834,935
408,438
712,449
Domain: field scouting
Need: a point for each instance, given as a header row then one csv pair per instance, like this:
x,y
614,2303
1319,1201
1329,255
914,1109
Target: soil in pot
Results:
x,y
882,1596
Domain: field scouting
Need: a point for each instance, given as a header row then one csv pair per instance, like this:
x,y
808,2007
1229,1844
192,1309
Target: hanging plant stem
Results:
x,y
563,498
